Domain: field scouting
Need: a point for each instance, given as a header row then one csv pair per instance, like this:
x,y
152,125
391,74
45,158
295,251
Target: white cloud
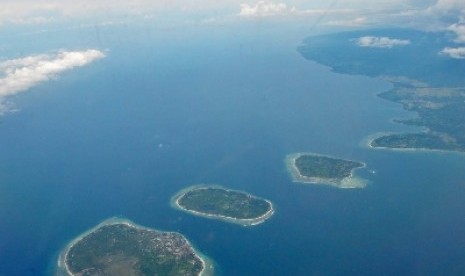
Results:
x,y
459,30
432,15
423,14
263,8
357,22
449,5
380,42
458,53
446,11
318,13
24,12
21,11
18,75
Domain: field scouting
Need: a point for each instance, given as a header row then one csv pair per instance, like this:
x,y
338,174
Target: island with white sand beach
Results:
x,y
321,169
216,202
421,84
120,247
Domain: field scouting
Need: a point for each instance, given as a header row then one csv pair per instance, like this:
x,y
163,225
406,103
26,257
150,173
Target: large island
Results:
x,y
440,111
321,169
120,247
219,203
425,77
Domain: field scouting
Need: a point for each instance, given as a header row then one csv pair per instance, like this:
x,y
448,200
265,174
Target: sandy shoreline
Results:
x,y
244,222
368,143
62,266
349,182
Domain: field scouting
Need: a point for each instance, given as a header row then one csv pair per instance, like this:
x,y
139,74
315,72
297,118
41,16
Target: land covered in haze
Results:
x,y
220,203
425,80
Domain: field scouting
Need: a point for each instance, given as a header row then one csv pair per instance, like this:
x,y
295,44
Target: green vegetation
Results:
x,y
226,203
440,110
325,167
122,249
414,141
420,60
319,169
425,81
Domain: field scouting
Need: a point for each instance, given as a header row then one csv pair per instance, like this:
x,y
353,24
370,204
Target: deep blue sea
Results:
x,y
170,108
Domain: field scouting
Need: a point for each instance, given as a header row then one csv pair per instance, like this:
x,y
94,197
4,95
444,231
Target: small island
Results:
x,y
120,247
414,141
320,169
228,205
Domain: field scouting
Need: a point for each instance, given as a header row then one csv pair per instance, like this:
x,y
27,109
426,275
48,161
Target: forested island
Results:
x,y
321,169
219,203
119,247
425,80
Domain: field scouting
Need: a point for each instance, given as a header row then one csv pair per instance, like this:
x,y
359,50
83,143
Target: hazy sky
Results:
x,y
345,12
20,74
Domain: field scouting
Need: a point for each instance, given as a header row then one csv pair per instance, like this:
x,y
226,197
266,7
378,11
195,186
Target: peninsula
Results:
x,y
440,111
228,205
120,247
320,169
425,80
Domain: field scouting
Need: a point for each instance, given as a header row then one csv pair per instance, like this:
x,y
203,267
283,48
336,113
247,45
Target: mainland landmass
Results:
x,y
119,247
440,111
425,80
321,169
219,203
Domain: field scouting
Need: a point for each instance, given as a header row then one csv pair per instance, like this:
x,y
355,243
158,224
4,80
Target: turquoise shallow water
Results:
x,y
221,105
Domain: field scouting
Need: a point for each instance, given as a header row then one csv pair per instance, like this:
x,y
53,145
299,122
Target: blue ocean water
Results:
x,y
171,108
